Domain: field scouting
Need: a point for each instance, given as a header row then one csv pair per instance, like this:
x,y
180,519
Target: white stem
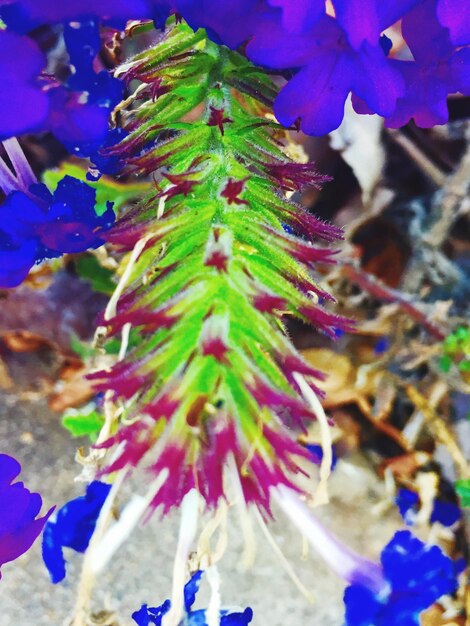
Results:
x,y
213,608
321,493
343,561
120,531
18,159
284,562
112,304
187,535
249,550
8,182
88,574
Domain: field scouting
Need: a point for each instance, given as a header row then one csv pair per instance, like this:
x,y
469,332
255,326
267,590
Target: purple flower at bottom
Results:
x,y
417,575
408,503
146,616
38,225
72,527
19,526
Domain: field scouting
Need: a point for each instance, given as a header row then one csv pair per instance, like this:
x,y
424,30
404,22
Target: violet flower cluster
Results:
x,y
72,527
36,225
19,508
324,57
417,575
408,503
146,616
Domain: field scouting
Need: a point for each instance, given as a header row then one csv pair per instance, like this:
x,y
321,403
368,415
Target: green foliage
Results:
x,y
462,488
83,423
100,278
456,348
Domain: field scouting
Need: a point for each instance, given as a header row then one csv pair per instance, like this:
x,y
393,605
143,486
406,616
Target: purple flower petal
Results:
x,y
18,510
376,81
299,15
316,94
364,20
23,106
455,15
24,15
72,527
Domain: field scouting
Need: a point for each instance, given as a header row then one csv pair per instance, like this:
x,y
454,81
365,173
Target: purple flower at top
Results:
x,y
72,527
80,107
328,70
19,524
455,15
146,616
25,15
365,20
23,106
230,23
417,574
437,70
299,15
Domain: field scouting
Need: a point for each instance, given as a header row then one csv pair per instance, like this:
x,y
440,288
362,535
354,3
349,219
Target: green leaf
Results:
x,y
100,278
462,487
82,424
445,363
464,366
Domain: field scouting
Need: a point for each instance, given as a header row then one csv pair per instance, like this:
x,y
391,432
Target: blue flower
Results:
x,y
72,527
417,575
38,225
146,616
381,345
19,526
408,502
317,454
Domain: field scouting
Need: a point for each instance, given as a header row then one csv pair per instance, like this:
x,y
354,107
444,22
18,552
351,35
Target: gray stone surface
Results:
x,y
141,572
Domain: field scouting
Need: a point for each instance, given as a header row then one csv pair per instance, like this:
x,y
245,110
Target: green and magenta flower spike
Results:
x,y
219,257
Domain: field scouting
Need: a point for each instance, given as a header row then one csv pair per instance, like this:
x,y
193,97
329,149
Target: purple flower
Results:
x,y
19,526
37,225
299,15
76,111
25,15
230,23
329,69
146,616
365,20
72,527
417,576
437,70
455,15
23,105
